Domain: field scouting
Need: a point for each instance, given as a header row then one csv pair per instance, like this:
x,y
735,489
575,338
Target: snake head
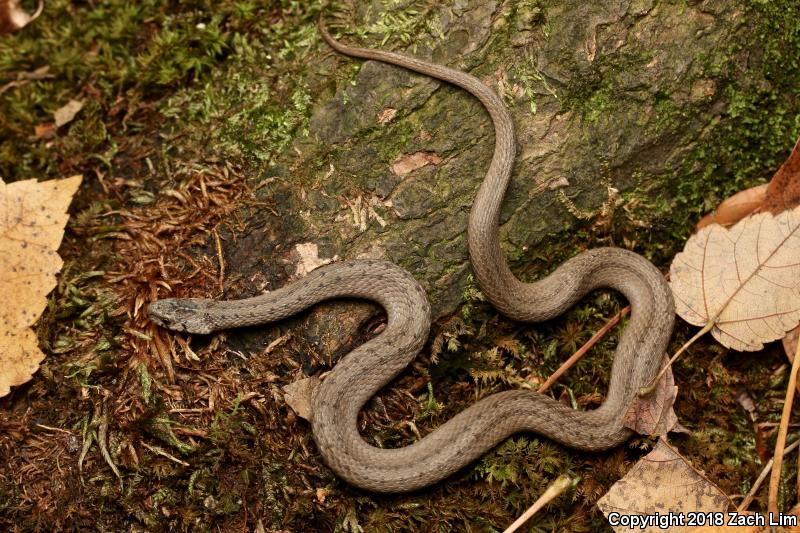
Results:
x,y
181,314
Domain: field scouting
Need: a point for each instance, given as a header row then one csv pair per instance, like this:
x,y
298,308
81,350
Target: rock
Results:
x,y
615,91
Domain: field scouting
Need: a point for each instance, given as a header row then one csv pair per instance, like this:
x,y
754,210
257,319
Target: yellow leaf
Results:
x,y
660,492
744,280
32,220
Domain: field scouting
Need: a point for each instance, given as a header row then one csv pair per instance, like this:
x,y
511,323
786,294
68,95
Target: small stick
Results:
x,y
163,353
762,476
583,349
775,477
159,451
220,258
558,486
50,428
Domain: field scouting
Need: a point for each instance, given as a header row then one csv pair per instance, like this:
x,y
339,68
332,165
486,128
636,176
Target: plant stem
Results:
x,y
644,391
574,358
777,458
558,486
745,503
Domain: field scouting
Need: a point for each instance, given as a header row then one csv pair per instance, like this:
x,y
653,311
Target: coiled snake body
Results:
x,y
365,370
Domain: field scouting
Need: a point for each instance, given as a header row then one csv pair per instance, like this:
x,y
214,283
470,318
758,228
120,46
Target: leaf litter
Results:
x,y
742,284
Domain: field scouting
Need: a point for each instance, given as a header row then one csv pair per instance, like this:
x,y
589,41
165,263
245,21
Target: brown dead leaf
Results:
x,y
13,17
300,396
743,281
653,414
735,208
407,163
795,511
661,482
784,188
66,113
780,194
32,219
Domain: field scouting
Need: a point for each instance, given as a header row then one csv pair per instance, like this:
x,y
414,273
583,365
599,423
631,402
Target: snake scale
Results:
x,y
369,367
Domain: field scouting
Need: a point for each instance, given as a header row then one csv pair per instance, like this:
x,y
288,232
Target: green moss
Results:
x,y
121,54
760,122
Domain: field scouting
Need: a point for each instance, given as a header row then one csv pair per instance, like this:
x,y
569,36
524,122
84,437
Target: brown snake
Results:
x,y
369,367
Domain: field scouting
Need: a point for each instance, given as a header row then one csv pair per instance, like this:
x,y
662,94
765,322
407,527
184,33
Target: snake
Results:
x,y
369,367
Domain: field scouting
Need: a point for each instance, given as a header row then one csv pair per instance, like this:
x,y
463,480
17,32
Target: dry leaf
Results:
x,y
780,194
300,396
32,220
308,253
13,17
784,188
407,163
65,114
661,482
745,280
735,208
795,511
653,415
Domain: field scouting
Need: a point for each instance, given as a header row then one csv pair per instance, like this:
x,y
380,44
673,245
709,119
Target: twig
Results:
x,y
775,477
39,9
556,487
644,391
49,428
163,353
159,451
762,476
220,258
574,358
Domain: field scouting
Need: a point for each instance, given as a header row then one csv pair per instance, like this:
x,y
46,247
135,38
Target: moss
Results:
x,y
751,136
121,54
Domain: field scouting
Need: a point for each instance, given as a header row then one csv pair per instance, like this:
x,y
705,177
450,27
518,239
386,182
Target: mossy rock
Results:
x,y
602,96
